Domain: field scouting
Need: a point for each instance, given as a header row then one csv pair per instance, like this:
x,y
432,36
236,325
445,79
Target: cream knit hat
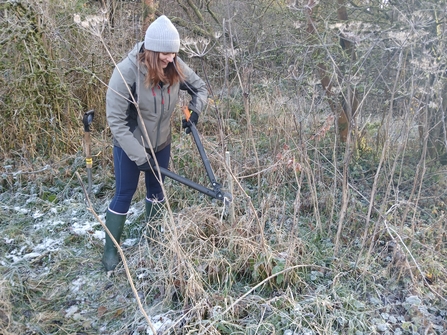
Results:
x,y
162,36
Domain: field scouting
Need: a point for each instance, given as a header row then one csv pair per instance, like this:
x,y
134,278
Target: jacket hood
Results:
x,y
133,57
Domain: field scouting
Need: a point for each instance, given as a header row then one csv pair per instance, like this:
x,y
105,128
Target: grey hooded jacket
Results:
x,y
155,104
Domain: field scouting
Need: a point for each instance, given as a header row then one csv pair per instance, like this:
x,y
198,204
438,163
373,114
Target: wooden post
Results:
x,y
230,187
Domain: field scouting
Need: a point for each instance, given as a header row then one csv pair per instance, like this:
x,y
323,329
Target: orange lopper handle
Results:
x,y
186,112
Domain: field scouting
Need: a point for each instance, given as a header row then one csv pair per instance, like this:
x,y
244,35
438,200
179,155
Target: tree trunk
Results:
x,y
148,14
343,107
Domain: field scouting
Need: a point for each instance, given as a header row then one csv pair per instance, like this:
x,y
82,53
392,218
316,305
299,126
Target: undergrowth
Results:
x,y
272,269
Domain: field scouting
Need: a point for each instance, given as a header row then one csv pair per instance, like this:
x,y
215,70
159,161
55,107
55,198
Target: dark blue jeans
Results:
x,y
127,175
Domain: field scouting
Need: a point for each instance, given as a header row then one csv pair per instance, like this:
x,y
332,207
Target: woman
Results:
x,y
151,75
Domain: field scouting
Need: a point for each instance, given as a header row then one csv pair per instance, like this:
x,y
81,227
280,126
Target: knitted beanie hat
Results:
x,y
162,36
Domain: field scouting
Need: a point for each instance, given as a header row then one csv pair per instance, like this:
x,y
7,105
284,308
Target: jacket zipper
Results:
x,y
160,118
154,95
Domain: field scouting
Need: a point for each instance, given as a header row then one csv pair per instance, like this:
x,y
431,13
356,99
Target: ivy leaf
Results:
x,y
278,268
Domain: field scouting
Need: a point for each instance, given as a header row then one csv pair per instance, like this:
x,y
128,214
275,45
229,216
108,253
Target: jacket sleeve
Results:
x,y
117,102
196,88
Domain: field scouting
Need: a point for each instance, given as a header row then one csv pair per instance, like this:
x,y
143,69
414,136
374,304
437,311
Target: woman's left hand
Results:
x,y
193,118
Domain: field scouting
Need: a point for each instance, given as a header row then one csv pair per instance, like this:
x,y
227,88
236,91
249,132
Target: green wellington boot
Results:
x,y
115,224
154,211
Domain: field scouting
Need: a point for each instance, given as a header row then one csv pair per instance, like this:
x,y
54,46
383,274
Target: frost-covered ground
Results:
x,y
52,280
51,270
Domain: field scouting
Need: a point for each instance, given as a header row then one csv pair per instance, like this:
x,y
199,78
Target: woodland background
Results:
x,y
327,119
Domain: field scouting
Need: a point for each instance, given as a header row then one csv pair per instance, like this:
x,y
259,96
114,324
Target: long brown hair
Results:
x,y
171,75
